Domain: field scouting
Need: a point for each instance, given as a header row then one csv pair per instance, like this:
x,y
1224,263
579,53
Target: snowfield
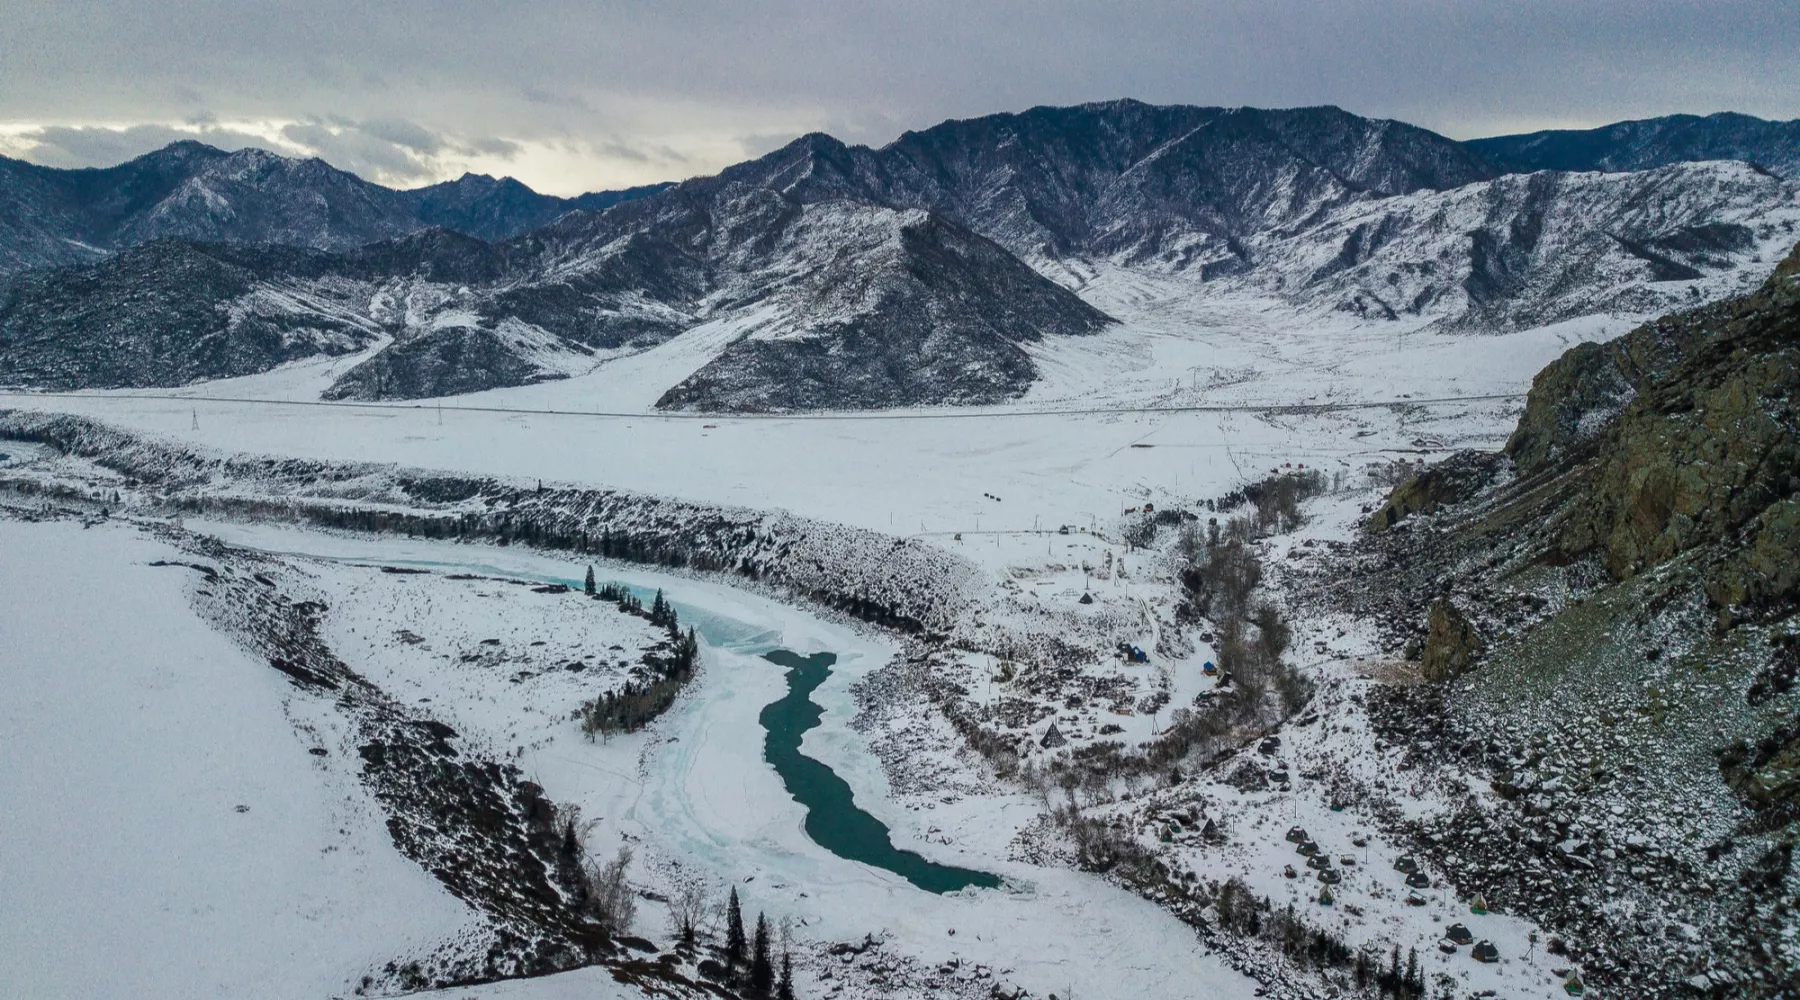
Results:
x,y
212,854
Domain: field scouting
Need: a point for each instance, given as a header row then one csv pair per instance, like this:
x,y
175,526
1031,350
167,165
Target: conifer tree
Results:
x,y
762,972
734,931
589,585
784,987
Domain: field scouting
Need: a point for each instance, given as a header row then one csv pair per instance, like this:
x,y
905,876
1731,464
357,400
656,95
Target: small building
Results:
x,y
1447,946
1318,861
1478,905
1414,899
1330,876
1460,934
1288,871
1406,864
1573,986
1325,896
1307,848
1485,952
1269,745
1297,835
1209,668
1053,738
1419,880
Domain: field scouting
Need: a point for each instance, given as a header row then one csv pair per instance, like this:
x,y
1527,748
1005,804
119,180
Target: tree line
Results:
x,y
633,705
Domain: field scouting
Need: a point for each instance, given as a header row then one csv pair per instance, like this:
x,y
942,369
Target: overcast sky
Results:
x,y
574,96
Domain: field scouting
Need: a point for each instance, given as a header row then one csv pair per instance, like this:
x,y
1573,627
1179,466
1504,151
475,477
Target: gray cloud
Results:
x,y
501,148
707,79
371,152
401,132
62,146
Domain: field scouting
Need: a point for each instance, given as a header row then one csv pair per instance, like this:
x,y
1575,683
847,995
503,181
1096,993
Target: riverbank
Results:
x,y
695,799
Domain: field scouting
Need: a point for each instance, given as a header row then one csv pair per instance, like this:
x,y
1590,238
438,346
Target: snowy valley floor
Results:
x,y
141,729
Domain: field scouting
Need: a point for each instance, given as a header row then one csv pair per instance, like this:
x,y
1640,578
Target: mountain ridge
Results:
x,y
843,276
1642,143
51,216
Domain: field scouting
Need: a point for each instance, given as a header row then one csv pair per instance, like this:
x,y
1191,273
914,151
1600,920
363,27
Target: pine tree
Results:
x,y
589,585
734,931
784,987
762,973
1415,981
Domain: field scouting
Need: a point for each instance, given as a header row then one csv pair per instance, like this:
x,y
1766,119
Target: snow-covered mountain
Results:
x,y
826,275
1651,142
1126,178
192,190
1526,250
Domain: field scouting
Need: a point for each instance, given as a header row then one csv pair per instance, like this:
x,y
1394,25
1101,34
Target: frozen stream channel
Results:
x,y
695,794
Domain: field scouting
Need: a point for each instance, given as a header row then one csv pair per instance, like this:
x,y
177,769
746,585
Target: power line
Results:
x,y
1277,408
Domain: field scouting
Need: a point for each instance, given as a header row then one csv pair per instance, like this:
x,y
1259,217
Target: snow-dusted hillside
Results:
x,y
1529,250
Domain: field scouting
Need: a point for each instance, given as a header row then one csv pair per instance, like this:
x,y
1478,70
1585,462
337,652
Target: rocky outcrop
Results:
x,y
1709,449
1629,601
1452,644
1451,481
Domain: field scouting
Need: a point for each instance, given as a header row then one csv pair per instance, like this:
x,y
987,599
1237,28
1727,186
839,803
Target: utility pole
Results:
x,y
195,413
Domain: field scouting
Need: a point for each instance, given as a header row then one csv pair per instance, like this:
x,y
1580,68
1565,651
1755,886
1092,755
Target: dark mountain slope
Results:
x,y
910,310
1097,177
499,209
50,217
1651,142
171,312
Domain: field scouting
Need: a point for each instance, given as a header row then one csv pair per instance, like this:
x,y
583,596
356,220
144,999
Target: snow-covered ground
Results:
x,y
910,472
694,797
93,635
166,831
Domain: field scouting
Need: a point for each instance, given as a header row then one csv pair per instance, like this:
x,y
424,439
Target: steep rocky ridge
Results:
x,y
1610,613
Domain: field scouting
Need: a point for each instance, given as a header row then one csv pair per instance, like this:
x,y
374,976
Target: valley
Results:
x,y
1270,554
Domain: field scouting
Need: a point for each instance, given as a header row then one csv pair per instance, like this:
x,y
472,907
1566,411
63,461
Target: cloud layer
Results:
x,y
574,95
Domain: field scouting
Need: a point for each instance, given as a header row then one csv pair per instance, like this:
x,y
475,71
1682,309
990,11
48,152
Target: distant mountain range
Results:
x,y
1651,142
191,190
831,275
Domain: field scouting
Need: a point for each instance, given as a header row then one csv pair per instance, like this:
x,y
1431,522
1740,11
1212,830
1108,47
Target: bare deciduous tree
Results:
x,y
687,910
